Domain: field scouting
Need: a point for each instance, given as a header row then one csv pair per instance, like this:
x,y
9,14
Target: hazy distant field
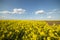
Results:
x,y
52,22
29,30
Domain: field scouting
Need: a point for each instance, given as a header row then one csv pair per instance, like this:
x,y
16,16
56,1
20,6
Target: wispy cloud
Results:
x,y
3,17
49,16
44,14
5,12
39,12
53,11
15,11
41,17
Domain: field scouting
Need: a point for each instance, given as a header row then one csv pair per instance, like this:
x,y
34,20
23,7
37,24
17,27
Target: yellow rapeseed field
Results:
x,y
28,30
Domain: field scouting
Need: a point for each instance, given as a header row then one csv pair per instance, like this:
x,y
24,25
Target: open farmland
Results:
x,y
53,22
29,30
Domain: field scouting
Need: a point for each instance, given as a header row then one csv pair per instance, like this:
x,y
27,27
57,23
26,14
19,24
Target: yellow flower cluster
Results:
x,y
28,30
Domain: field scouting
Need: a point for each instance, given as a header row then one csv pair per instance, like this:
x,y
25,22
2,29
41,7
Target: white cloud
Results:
x,y
49,17
15,11
19,11
39,12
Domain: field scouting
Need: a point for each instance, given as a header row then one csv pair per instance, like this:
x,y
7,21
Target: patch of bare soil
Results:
x,y
53,22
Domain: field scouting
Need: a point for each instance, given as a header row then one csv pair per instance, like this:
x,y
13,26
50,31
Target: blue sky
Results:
x,y
30,9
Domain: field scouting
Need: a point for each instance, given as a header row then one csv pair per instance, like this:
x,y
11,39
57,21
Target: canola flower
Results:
x,y
28,30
